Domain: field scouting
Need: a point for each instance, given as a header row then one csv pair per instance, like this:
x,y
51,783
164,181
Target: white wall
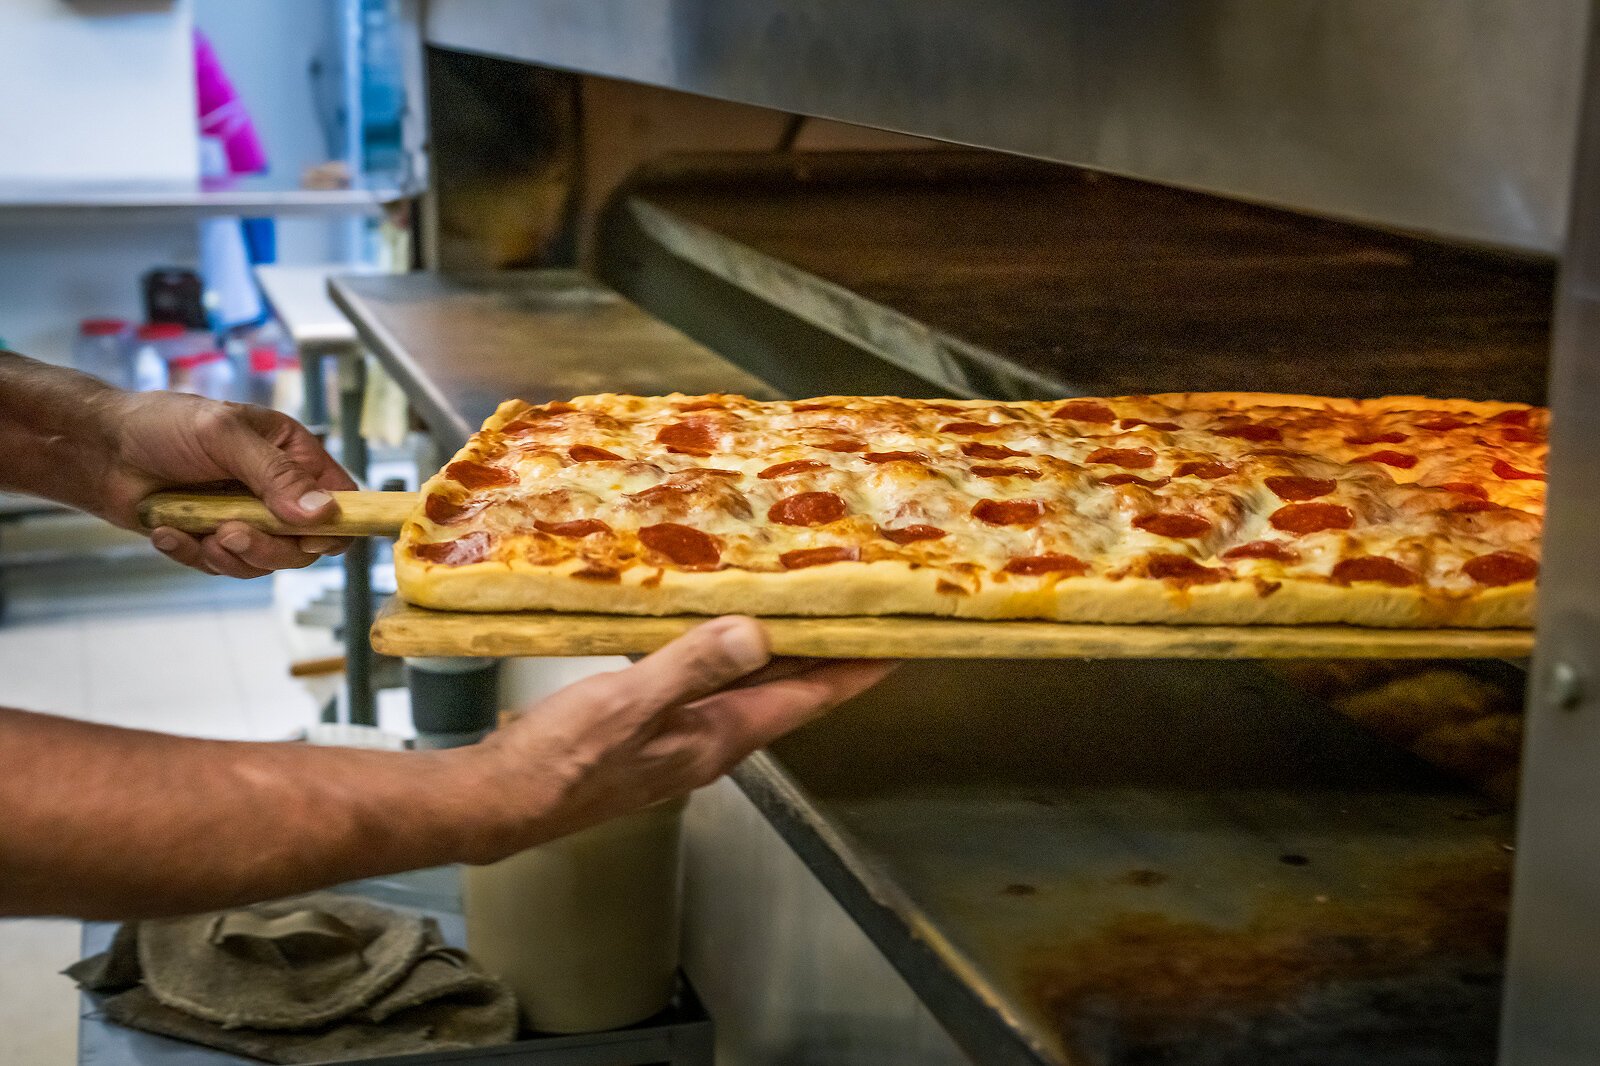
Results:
x,y
96,91
54,272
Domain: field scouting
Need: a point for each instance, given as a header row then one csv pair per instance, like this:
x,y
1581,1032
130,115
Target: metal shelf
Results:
x,y
1100,864
459,346
1015,280
31,202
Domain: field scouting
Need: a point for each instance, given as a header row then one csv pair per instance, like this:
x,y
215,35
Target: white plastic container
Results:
x,y
584,929
104,348
207,373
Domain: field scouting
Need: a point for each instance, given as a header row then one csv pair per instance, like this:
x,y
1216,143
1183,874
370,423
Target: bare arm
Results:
x,y
99,822
70,438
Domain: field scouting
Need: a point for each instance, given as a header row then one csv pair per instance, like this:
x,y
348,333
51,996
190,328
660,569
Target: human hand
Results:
x,y
162,440
675,720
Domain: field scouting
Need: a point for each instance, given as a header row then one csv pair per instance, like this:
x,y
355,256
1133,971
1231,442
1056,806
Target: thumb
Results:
x,y
288,488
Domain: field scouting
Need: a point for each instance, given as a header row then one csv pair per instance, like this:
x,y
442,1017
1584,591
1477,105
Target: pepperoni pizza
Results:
x,y
1204,507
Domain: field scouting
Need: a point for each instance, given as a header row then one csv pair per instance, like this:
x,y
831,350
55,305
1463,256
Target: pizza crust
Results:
x,y
888,588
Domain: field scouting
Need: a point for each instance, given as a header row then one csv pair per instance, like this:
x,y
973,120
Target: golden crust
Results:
x,y
1254,592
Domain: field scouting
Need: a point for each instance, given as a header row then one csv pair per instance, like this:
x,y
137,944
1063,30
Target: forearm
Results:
x,y
53,431
103,822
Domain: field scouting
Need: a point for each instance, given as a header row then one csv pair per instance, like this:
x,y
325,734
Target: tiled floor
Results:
x,y
146,648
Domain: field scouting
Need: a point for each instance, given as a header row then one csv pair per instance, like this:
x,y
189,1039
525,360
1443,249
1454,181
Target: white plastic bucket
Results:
x,y
585,928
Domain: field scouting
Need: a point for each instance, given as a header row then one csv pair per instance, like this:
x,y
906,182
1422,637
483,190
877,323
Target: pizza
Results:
x,y
1199,507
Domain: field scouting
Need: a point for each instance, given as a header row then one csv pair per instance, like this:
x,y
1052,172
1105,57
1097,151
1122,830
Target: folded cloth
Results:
x,y
309,979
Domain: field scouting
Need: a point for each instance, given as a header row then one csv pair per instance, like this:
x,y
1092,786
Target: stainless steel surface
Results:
x,y
458,346
1554,960
789,976
1011,279
1456,119
1107,863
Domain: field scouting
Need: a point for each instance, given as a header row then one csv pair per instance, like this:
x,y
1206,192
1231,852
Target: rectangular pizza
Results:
x,y
1201,507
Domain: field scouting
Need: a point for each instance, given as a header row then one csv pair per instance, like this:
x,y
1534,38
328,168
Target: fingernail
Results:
x,y
236,541
164,541
745,644
319,545
315,500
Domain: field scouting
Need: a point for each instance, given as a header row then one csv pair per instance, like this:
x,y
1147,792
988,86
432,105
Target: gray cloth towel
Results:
x,y
309,979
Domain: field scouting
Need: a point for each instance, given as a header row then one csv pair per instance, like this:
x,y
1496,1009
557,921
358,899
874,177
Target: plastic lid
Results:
x,y
161,331
102,327
263,360
189,362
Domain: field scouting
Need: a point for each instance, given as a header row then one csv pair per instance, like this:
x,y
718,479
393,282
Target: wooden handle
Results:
x,y
361,514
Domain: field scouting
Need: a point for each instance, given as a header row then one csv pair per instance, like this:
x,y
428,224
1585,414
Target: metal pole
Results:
x,y
1552,1005
361,700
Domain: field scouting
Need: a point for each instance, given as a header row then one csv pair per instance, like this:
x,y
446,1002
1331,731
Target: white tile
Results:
x,y
41,668
275,705
169,672
38,1008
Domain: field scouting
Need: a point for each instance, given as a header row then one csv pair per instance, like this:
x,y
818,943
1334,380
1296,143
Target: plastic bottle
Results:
x,y
207,373
262,380
103,348
153,345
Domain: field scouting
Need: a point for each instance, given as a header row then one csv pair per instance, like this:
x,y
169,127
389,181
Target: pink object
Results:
x,y
223,114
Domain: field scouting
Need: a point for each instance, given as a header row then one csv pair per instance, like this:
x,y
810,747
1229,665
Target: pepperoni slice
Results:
x,y
1086,411
911,534
445,512
1130,458
1203,469
807,509
813,407
588,453
1400,460
1250,431
1373,568
578,527
1311,517
1135,479
1288,487
844,444
1513,418
1466,488
991,451
1501,568
703,405
1049,563
1262,549
1181,570
685,546
1007,471
1520,435
1134,423
1176,526
1391,437
804,557
1442,425
472,548
1008,512
1473,507
1506,472
693,437
798,466
895,457
476,475
970,428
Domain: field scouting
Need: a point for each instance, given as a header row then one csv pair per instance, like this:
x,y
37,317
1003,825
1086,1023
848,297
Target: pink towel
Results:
x,y
222,113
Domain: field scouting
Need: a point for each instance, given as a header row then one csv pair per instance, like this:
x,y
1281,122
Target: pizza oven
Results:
x,y
1201,857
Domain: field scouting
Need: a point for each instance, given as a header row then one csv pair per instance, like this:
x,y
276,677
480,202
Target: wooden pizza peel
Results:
x,y
402,629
